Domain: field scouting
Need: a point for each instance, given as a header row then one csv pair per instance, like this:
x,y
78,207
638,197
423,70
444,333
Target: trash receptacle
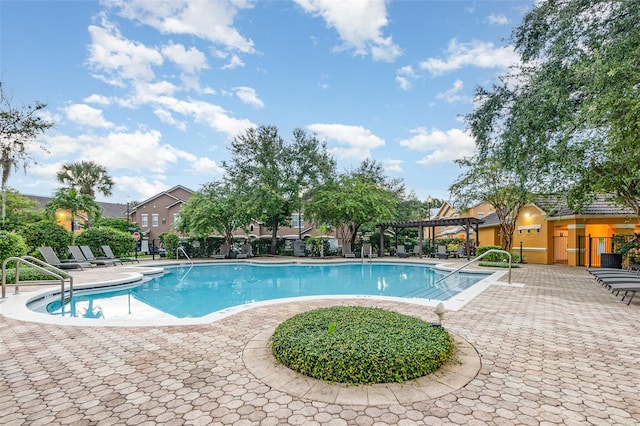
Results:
x,y
611,260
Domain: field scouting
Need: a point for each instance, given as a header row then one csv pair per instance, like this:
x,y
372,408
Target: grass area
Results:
x,y
358,345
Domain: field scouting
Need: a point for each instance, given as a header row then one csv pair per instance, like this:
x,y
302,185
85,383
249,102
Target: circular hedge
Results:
x,y
358,345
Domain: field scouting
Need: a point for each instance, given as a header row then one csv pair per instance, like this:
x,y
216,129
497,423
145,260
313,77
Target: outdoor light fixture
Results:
x,y
439,311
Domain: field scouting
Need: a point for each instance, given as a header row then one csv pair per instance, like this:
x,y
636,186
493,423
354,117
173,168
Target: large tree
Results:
x,y
490,182
271,174
19,127
570,113
74,202
20,210
86,177
216,207
349,203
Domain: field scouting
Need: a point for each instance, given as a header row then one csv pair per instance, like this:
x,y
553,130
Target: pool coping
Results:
x,y
15,305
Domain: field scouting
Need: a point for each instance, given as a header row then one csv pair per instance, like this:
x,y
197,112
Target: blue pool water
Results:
x,y
192,292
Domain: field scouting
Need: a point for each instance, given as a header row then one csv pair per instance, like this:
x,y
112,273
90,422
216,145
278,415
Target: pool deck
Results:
x,y
559,350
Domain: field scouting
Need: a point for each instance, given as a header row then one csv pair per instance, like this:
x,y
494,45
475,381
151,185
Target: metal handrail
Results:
x,y
181,249
40,266
478,258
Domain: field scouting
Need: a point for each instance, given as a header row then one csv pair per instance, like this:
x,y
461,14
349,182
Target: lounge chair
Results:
x,y
245,251
52,259
442,252
346,250
81,255
223,253
367,251
401,252
109,255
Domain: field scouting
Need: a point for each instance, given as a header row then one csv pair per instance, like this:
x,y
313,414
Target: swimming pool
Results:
x,y
201,290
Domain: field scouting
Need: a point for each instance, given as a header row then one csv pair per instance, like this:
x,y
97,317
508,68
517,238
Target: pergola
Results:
x,y
468,223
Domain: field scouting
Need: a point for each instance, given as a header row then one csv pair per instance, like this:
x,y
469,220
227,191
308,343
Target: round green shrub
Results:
x,y
11,245
121,243
49,234
357,345
171,243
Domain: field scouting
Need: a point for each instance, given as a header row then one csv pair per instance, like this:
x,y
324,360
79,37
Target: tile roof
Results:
x,y
110,210
556,206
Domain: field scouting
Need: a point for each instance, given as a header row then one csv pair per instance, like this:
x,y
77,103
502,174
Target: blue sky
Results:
x,y
156,90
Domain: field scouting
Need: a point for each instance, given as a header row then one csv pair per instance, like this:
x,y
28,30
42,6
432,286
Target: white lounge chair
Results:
x,y
223,253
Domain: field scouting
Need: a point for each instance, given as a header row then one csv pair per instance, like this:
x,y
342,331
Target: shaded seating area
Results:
x,y
347,252
367,251
245,252
52,259
442,252
401,252
223,252
468,224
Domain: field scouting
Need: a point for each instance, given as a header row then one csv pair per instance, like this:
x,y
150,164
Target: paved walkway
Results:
x,y
560,350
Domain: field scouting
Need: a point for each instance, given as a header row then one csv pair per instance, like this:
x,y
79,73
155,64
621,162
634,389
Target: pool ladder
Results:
x,y
181,249
61,276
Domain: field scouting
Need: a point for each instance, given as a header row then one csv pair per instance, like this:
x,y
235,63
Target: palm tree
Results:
x,y
71,200
86,177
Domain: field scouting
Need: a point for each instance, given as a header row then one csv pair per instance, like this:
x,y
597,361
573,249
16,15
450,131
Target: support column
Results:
x,y
576,231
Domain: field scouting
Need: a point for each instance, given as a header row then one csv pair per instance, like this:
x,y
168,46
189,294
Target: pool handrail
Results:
x,y
478,258
41,266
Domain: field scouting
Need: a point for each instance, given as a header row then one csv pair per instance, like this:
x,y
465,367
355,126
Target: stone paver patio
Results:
x,y
560,350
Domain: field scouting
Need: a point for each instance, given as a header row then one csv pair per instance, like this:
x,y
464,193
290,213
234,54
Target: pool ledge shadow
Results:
x,y
454,375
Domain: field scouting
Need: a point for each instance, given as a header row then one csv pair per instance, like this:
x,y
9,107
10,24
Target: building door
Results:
x,y
560,249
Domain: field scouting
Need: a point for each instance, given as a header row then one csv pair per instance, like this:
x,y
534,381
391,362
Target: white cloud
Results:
x,y
404,77
358,23
499,19
190,61
453,95
140,188
442,146
87,116
119,58
208,20
248,96
97,99
392,165
475,53
234,62
166,117
358,140
206,166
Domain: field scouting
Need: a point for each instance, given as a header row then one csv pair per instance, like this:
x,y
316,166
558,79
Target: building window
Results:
x,y
480,215
176,217
297,220
145,220
154,220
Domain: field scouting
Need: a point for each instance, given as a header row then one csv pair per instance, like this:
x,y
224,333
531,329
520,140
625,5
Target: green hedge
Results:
x,y
47,234
11,245
357,345
121,243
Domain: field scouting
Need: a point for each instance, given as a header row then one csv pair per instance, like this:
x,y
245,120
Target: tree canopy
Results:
x,y
19,127
570,110
349,203
216,207
272,173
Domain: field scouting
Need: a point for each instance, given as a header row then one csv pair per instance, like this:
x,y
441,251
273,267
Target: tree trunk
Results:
x,y
274,237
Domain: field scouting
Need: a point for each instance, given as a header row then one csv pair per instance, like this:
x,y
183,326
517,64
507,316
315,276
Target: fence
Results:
x,y
591,249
